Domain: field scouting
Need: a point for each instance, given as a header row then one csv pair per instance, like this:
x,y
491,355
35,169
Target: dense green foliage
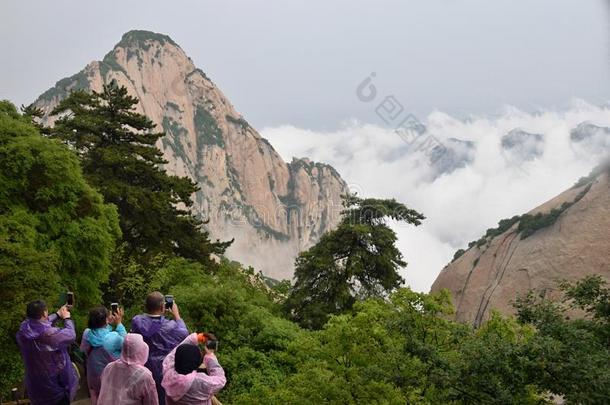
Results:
x,y
398,350
572,356
119,157
357,260
56,234
402,349
385,350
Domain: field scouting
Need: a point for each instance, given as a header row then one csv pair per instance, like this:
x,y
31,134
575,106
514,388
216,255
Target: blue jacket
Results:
x,y
111,341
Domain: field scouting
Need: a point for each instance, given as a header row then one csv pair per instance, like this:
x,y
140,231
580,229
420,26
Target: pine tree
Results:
x,y
119,156
356,261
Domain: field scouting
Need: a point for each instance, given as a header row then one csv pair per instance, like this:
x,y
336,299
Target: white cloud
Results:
x,y
462,204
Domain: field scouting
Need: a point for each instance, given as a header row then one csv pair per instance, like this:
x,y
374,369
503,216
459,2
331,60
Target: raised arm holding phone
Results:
x,y
161,334
50,377
102,343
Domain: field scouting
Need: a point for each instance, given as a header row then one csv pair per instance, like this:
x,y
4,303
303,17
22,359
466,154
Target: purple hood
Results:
x,y
32,329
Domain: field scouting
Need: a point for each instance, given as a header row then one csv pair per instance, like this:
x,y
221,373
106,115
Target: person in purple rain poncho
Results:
x,y
50,378
102,345
162,335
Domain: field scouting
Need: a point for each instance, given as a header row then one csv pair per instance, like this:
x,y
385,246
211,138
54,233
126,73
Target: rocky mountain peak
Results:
x,y
141,39
271,208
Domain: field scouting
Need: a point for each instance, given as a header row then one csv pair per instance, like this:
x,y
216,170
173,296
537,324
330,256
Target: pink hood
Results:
x,y
193,388
126,381
175,384
135,350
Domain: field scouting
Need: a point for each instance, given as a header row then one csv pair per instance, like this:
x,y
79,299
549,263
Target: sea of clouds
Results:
x,y
459,203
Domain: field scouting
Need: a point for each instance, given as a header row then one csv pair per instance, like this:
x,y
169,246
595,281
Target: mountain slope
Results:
x,y
566,238
273,209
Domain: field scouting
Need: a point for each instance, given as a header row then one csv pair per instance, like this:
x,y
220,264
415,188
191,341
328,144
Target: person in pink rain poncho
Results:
x,y
50,378
126,381
184,384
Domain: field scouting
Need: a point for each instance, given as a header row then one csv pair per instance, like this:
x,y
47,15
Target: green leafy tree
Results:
x,y
570,356
495,365
56,233
119,156
590,294
356,261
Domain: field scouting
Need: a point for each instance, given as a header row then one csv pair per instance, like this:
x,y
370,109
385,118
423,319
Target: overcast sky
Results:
x,y
298,62
469,69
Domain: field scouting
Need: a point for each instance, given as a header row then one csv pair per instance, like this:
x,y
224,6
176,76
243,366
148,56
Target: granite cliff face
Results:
x,y
566,238
273,209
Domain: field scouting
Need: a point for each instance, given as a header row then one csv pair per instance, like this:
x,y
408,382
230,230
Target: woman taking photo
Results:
x,y
183,381
102,342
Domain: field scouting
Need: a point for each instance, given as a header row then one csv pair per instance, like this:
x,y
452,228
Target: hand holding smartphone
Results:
x,y
116,314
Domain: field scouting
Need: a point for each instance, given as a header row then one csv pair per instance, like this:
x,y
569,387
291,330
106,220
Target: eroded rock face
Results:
x,y
505,265
272,209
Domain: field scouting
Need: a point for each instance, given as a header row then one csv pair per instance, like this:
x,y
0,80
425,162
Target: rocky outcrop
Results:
x,y
273,209
453,154
520,145
564,239
588,139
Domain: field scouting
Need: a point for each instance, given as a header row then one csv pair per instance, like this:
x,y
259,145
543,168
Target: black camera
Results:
x,y
114,308
169,302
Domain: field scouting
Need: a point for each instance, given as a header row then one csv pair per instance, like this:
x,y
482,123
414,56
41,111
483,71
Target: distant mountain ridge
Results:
x,y
273,209
566,238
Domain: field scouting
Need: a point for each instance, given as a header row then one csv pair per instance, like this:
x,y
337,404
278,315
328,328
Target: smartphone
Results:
x,y
69,298
212,345
169,302
114,307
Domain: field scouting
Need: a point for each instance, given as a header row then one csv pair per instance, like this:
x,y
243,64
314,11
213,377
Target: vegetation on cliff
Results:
x,y
528,224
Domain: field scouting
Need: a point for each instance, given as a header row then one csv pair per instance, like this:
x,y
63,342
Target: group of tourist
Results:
x,y
157,362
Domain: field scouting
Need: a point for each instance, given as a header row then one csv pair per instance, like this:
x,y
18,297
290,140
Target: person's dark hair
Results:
x,y
35,309
188,358
98,317
155,301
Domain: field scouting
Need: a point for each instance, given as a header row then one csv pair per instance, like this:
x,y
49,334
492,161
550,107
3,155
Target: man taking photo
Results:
x,y
161,334
50,377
